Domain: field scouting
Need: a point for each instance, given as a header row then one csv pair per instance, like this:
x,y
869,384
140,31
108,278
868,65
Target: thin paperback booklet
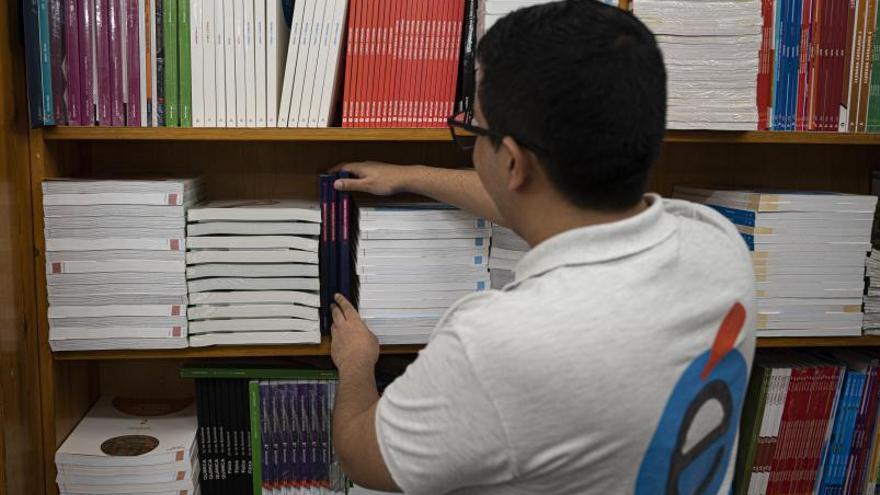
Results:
x,y
256,211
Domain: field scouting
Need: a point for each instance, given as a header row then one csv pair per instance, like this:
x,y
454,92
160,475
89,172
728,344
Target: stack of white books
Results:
x,y
131,446
808,252
252,271
115,262
507,250
871,322
359,490
413,263
710,49
490,11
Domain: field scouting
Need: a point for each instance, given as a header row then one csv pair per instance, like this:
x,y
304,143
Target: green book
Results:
x,y
172,63
184,63
873,120
752,415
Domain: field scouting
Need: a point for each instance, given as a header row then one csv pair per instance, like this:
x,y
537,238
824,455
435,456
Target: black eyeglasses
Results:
x,y
465,134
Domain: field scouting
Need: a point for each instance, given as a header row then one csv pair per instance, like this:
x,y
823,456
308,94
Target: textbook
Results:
x,y
507,251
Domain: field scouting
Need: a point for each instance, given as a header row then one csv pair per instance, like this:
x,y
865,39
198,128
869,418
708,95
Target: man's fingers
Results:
x,y
347,307
338,314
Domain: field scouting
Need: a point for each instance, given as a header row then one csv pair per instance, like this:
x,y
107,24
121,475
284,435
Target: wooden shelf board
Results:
x,y
399,134
776,342
244,351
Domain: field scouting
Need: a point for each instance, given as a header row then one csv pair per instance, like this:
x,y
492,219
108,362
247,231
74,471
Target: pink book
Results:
x,y
133,49
102,44
73,94
117,78
86,26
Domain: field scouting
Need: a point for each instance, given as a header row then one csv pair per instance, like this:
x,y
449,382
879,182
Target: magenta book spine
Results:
x,y
73,93
102,43
86,25
117,78
133,49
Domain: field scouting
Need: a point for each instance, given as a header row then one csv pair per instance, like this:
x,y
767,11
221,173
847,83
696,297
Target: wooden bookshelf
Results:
x,y
434,134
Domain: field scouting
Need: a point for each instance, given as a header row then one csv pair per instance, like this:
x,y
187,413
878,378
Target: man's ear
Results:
x,y
519,166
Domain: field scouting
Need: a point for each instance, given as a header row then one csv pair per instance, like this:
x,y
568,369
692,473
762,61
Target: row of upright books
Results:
x,y
249,63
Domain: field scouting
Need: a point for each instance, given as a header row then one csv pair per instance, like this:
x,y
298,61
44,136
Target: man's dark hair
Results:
x,y
582,85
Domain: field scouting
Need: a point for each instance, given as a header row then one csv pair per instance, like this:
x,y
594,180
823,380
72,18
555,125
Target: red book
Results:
x,y
453,61
828,61
800,438
349,63
815,90
133,51
85,16
397,12
408,64
841,66
117,86
374,26
102,61
358,64
792,413
73,93
820,415
387,41
803,69
423,85
56,51
433,17
765,65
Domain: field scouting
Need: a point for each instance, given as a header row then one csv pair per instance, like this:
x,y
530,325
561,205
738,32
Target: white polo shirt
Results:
x,y
617,362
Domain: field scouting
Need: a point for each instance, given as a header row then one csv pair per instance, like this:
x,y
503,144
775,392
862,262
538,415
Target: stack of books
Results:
x,y
277,424
492,10
710,52
131,446
115,262
871,300
507,250
808,251
253,272
413,263
830,446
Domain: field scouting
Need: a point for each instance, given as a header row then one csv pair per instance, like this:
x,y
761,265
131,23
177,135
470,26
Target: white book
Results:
x,y
157,199
58,312
209,66
121,233
260,58
250,64
257,297
255,338
334,64
253,242
428,271
424,234
73,279
392,296
88,333
507,254
278,36
187,485
114,222
197,61
160,299
422,278
414,339
204,312
185,465
237,284
154,67
64,186
368,244
257,210
229,56
502,264
403,312
414,261
838,332
106,477
67,211
196,257
408,304
424,224
253,228
241,89
458,252
293,50
142,61
118,345
303,56
92,441
120,322
131,266
102,292
253,325
114,255
413,212
220,60
308,116
250,270
74,244
316,25
399,290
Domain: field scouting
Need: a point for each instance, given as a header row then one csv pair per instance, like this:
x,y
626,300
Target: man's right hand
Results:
x,y
380,179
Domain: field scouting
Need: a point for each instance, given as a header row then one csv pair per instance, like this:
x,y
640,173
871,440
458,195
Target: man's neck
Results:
x,y
544,220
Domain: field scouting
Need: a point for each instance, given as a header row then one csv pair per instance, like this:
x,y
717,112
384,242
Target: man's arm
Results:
x,y
355,351
461,188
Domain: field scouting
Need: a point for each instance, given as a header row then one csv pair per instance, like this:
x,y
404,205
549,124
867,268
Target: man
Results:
x,y
617,360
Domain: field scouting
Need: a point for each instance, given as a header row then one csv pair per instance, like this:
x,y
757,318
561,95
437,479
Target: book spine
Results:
x,y
229,55
840,79
865,81
250,65
160,62
436,24
184,64
73,91
117,86
856,65
323,252
815,82
102,48
85,14
45,36
134,71
60,73
209,51
197,85
454,60
843,118
33,67
260,53
345,241
143,59
869,414
349,65
239,79
220,63
172,69
872,123
803,65
791,415
752,421
467,74
823,425
794,59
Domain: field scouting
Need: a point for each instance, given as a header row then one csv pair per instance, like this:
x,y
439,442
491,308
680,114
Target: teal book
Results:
x,y
172,65
184,64
46,64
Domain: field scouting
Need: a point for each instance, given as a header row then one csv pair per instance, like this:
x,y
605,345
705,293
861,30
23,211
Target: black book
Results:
x,y
467,76
201,408
33,66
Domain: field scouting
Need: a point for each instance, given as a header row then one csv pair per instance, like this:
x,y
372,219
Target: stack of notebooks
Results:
x,y
809,426
710,52
413,263
266,431
871,322
507,251
808,251
492,10
115,262
253,272
132,446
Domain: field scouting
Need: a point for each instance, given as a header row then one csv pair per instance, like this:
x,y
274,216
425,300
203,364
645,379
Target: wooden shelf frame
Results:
x,y
417,135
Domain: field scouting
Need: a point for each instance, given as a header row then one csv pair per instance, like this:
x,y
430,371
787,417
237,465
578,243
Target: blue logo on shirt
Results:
x,y
678,464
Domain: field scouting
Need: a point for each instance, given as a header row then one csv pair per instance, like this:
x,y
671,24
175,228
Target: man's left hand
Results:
x,y
354,346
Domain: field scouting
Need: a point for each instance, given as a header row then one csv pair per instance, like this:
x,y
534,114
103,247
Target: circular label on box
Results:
x,y
129,445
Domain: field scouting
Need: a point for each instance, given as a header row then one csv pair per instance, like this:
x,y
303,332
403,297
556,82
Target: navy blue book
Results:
x,y
31,18
345,230
324,253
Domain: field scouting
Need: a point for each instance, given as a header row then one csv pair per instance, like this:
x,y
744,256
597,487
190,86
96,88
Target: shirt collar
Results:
x,y
598,243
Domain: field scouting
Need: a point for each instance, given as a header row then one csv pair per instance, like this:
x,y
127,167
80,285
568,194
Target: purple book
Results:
x,y
86,25
117,76
73,93
102,61
59,74
133,49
